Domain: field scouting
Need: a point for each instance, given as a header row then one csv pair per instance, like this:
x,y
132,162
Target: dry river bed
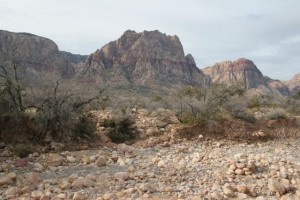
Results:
x,y
196,169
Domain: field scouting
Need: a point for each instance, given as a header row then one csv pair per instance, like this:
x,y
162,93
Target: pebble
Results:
x,y
274,185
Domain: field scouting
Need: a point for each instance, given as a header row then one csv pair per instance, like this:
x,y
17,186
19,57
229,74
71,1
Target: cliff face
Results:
x,y
294,84
241,71
148,59
33,53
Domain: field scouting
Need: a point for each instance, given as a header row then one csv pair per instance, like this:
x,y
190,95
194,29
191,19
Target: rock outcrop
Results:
x,y
294,84
34,54
149,59
241,71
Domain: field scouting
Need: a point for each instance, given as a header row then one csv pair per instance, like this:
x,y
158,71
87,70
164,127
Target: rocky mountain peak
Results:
x,y
241,71
149,59
294,84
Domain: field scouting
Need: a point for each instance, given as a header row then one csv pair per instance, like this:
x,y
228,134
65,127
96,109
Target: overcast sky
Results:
x,y
265,31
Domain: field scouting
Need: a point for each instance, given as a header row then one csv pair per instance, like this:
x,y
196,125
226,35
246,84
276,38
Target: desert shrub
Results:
x,y
84,127
108,123
238,109
277,113
122,130
293,106
202,104
23,150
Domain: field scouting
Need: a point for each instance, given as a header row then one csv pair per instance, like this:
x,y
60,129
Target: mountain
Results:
x,y
241,71
34,54
294,84
149,59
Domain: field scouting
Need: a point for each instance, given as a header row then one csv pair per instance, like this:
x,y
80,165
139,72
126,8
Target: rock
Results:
x,y
143,53
38,166
55,160
21,162
126,149
36,194
228,191
161,163
101,161
261,198
88,183
71,159
239,172
121,162
129,161
241,196
121,176
79,196
78,183
120,194
12,176
216,196
12,192
33,178
145,187
244,71
45,197
108,196
242,189
275,186
240,156
6,153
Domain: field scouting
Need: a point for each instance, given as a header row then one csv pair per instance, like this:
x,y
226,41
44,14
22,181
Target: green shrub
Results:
x,y
238,109
108,123
84,127
277,113
23,150
122,130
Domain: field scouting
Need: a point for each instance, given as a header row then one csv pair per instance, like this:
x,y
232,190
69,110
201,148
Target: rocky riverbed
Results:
x,y
198,169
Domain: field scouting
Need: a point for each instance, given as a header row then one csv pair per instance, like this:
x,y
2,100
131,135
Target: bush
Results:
x,y
238,109
277,113
84,127
23,150
121,129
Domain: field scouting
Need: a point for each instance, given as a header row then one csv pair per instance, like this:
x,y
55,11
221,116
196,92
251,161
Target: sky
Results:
x,y
264,31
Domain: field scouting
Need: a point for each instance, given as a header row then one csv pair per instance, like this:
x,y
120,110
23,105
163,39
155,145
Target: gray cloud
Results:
x,y
267,32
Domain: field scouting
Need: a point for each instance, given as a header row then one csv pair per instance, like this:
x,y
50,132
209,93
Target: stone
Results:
x,y
78,183
21,162
12,176
33,178
71,159
275,186
108,196
241,196
242,189
228,192
38,166
101,161
79,196
239,172
12,192
45,197
121,176
240,156
216,196
121,162
161,163
36,194
261,198
120,194
55,160
145,187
